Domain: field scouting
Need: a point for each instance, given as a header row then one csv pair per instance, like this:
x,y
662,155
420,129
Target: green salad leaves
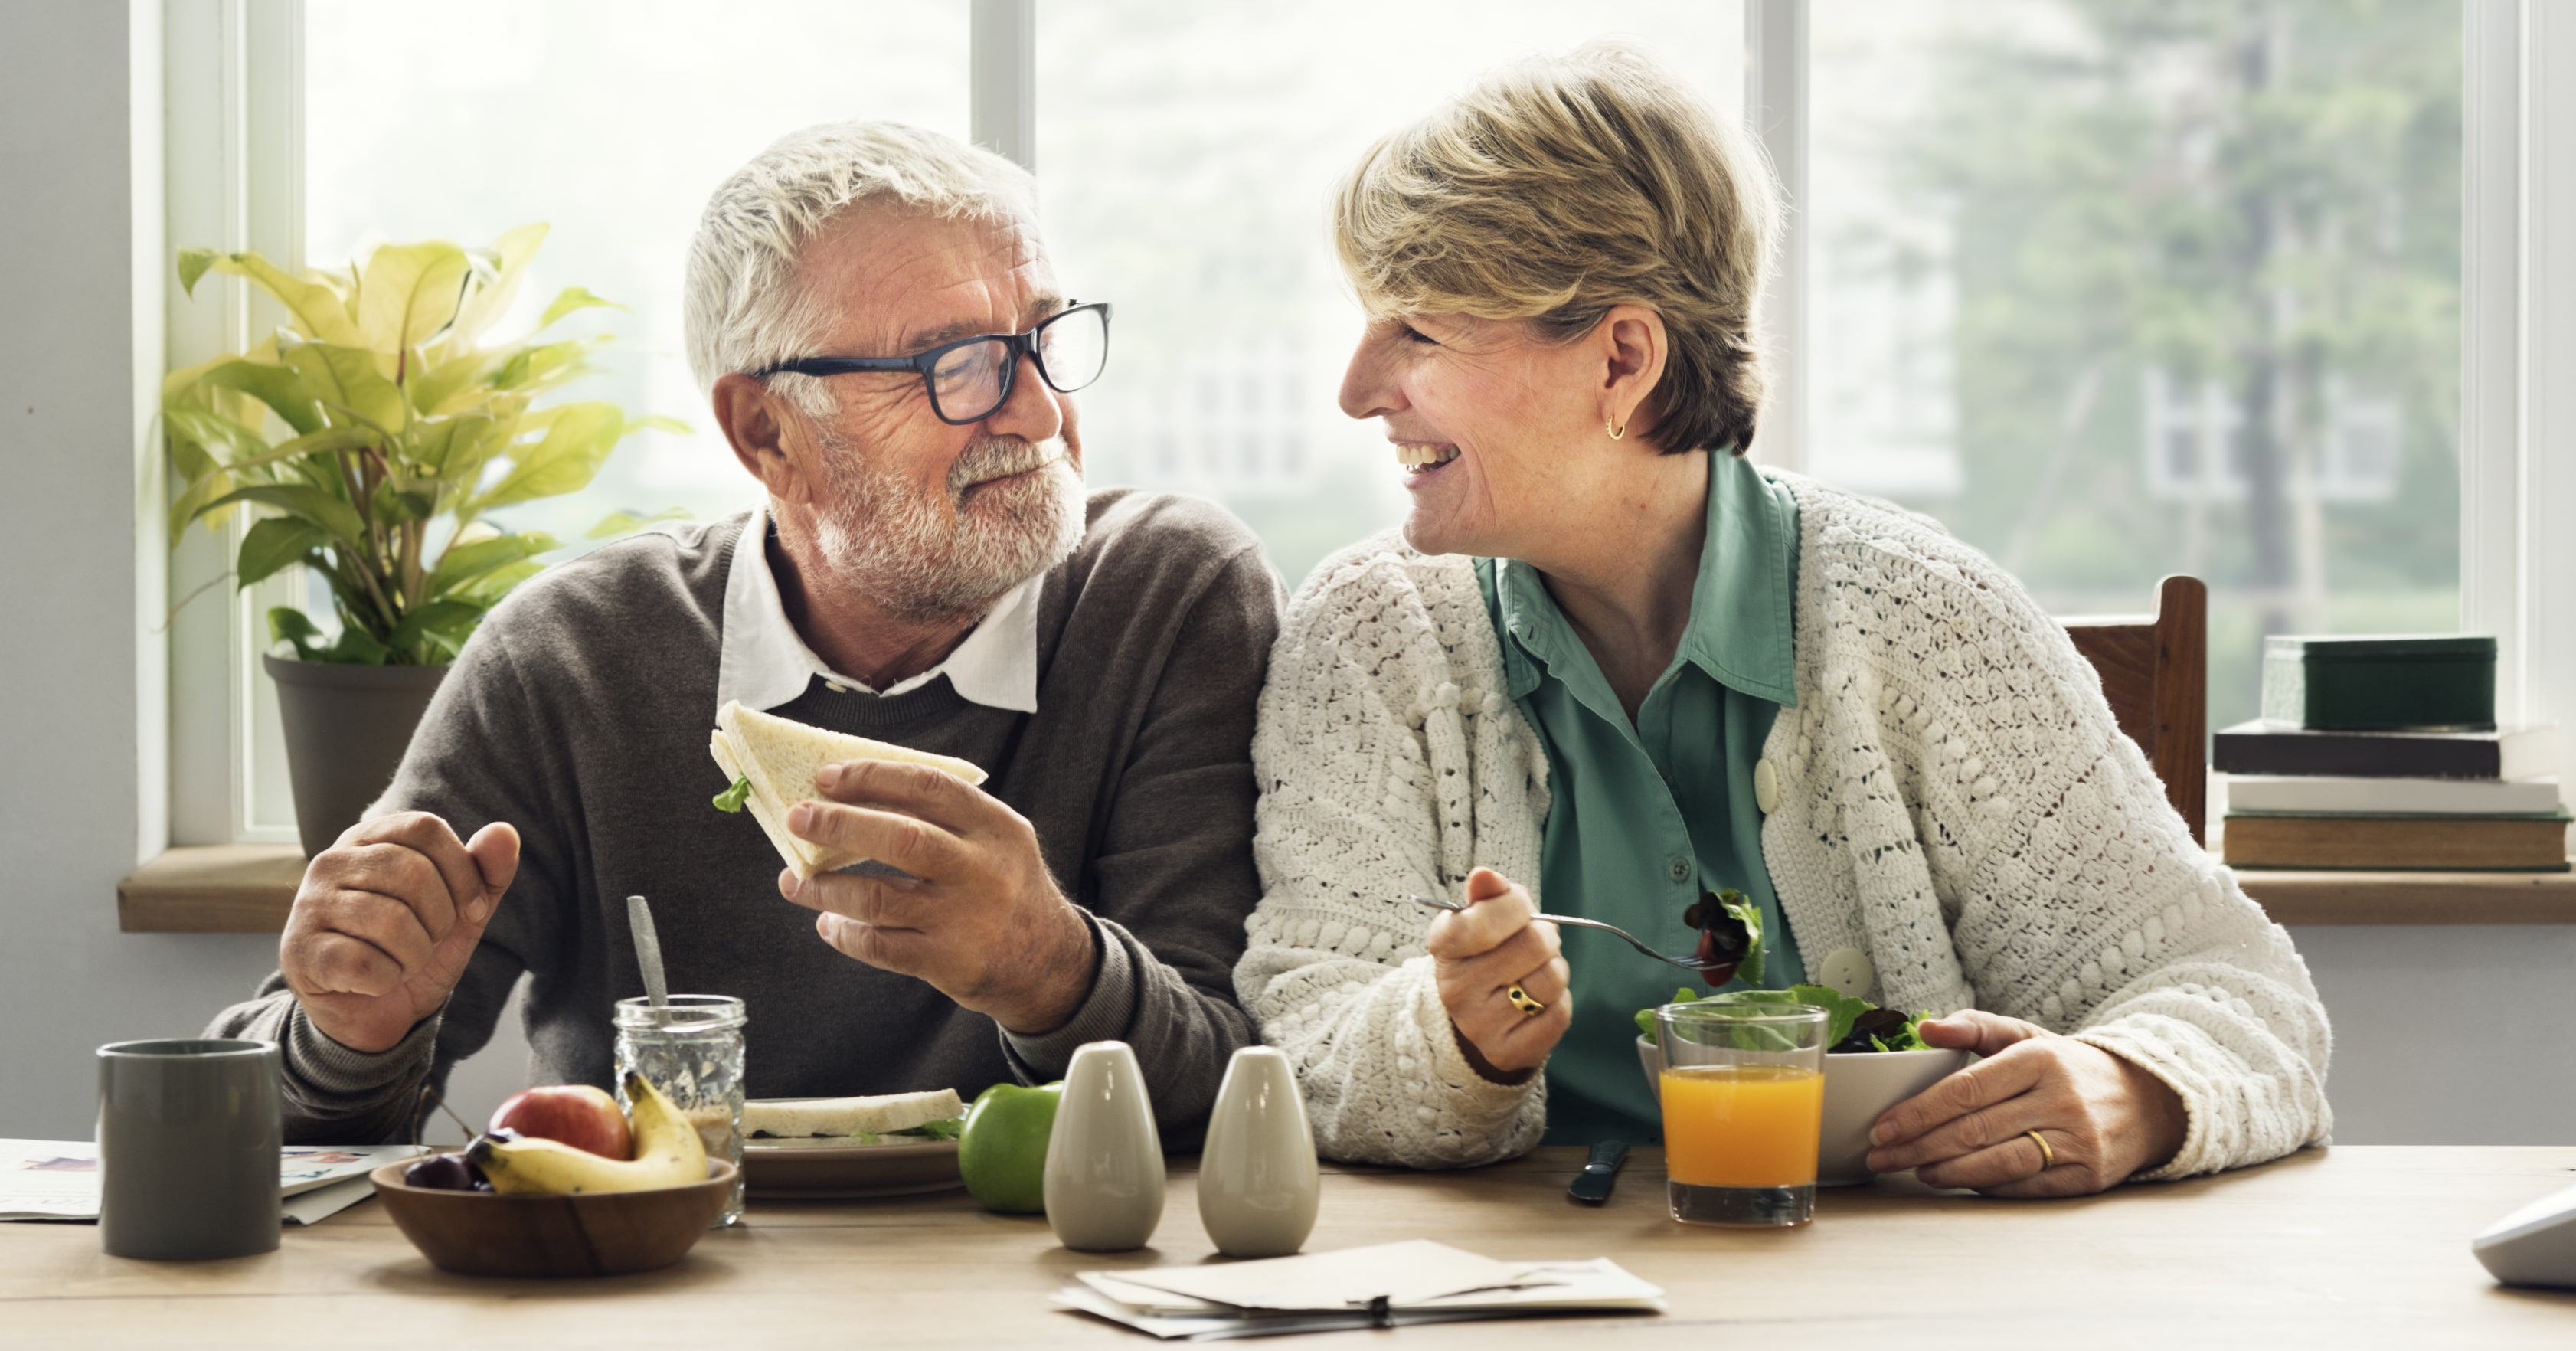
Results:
x,y
949,1129
731,799
1851,1024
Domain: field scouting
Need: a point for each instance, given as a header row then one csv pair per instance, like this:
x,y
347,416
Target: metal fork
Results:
x,y
1685,963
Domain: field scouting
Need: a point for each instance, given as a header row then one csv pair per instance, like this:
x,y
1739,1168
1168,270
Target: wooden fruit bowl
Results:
x,y
609,1234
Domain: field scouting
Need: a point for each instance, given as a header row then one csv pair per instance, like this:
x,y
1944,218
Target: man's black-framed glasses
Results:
x,y
971,377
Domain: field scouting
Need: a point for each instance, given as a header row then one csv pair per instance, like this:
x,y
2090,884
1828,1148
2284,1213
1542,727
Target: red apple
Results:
x,y
576,1114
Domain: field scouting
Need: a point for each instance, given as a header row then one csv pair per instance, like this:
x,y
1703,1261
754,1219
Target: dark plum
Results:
x,y
443,1172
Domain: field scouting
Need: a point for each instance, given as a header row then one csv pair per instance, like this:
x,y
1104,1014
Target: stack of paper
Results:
x,y
1388,1285
58,1179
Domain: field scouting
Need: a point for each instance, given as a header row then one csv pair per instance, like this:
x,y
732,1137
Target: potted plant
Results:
x,y
373,436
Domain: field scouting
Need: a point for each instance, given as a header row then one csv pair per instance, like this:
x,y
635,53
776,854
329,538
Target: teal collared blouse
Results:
x,y
1646,816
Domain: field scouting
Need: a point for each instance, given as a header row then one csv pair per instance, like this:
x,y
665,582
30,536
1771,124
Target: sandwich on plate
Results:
x,y
772,762
935,1115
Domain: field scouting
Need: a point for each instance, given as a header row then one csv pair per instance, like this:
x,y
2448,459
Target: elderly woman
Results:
x,y
1612,664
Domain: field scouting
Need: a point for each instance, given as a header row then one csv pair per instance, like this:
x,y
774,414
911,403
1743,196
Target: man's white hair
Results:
x,y
745,310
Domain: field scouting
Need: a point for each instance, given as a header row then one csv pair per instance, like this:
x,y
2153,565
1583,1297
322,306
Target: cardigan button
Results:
x,y
1766,787
1849,971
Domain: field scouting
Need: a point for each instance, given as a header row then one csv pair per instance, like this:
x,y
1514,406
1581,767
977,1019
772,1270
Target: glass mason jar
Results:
x,y
691,1050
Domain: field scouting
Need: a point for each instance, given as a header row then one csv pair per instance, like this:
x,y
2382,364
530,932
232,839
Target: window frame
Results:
x,y
232,95
233,178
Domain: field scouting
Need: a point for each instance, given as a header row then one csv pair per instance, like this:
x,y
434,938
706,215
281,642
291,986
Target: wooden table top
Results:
x,y
2355,1246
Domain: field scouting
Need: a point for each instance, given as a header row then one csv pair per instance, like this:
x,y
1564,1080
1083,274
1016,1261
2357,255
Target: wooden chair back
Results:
x,y
2155,673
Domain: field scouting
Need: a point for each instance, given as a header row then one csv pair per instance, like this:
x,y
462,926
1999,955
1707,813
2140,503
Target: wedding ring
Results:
x,y
1530,1008
2047,1156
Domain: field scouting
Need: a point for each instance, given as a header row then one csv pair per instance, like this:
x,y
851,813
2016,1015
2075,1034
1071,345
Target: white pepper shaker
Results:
x,y
1257,1179
1104,1163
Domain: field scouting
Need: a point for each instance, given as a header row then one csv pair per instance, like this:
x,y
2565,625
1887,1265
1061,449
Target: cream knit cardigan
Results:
x,y
1955,803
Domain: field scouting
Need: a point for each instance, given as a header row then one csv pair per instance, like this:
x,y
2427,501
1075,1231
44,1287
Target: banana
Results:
x,y
668,1153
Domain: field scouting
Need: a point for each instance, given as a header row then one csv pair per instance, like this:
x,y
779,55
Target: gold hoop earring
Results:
x,y
1616,430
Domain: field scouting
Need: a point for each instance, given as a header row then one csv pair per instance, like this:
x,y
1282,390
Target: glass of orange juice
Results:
x,y
1744,1101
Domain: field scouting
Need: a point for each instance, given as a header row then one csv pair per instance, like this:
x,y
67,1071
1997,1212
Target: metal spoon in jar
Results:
x,y
648,950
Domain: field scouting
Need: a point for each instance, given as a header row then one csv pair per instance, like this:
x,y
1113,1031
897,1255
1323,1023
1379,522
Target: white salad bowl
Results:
x,y
1858,1087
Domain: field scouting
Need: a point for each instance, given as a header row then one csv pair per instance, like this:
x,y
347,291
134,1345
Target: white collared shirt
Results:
x,y
765,663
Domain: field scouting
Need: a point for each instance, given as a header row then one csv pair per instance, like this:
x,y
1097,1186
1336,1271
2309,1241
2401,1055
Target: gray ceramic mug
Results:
x,y
188,1139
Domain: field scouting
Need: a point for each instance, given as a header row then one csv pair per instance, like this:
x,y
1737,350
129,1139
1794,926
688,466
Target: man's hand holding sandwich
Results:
x,y
979,918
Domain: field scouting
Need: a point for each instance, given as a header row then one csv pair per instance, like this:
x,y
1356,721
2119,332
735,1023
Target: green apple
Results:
x,y
1003,1149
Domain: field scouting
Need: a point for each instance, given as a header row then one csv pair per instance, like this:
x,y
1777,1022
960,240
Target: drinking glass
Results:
x,y
1744,1102
691,1049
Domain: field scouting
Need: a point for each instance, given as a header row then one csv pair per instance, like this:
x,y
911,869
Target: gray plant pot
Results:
x,y
346,728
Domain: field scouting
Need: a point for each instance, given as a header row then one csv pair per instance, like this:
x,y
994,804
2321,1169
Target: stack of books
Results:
x,y
2371,756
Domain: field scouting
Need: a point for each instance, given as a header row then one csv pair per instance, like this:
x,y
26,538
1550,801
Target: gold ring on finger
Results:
x,y
2047,1156
1530,1008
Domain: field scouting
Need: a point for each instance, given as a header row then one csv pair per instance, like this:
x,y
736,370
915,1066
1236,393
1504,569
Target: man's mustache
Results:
x,y
1000,457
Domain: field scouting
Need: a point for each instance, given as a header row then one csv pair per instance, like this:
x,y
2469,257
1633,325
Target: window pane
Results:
x,y
2118,290
1189,153
613,122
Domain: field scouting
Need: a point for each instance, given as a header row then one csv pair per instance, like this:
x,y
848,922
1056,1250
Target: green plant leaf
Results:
x,y
508,258
452,450
215,433
356,647
192,501
438,617
545,365
337,518
450,385
397,502
577,440
346,381
318,311
572,298
462,563
192,265
279,387
286,624
618,523
408,292
272,544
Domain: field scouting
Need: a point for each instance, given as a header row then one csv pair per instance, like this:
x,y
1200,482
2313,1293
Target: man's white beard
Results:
x,y
926,558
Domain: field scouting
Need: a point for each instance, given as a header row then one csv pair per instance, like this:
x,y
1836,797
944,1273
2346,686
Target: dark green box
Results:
x,y
2393,683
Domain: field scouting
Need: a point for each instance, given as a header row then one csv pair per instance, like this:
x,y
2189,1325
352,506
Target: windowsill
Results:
x,y
212,889
246,888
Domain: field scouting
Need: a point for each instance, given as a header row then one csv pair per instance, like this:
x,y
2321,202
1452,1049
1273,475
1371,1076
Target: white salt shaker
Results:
x,y
1257,1182
1104,1163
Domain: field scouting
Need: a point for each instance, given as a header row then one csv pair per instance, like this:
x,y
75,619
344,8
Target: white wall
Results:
x,y
72,707
2442,1034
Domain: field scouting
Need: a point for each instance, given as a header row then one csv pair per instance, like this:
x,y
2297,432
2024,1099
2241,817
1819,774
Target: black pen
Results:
x,y
1592,1185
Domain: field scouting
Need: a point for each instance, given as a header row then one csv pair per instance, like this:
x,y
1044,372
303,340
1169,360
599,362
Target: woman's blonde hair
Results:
x,y
1560,187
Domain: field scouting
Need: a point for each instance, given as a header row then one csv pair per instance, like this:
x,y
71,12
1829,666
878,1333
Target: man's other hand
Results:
x,y
386,920
984,922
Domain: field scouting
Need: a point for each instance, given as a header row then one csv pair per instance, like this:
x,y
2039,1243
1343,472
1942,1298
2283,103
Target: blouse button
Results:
x,y
1849,971
1766,787
1680,868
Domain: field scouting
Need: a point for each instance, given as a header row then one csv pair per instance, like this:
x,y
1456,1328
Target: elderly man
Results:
x,y
877,328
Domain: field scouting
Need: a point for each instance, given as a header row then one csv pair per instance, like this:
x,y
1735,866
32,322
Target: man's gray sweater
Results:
x,y
580,714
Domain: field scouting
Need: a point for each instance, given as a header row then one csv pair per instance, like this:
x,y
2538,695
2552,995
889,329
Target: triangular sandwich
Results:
x,y
772,761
